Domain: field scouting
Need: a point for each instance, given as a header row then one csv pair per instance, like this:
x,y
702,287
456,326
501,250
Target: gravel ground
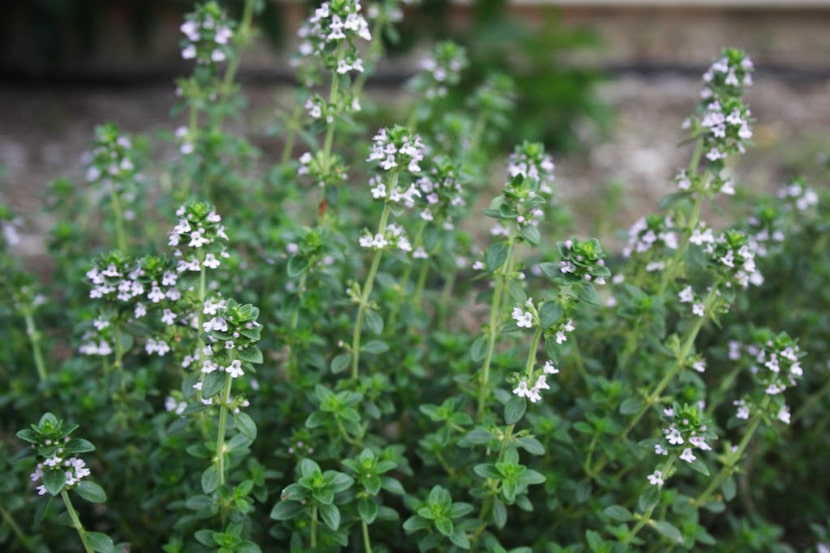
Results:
x,y
43,133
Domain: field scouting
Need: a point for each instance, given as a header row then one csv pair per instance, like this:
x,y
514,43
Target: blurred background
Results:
x,y
605,84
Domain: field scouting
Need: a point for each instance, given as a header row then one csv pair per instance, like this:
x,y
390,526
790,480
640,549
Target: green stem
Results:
x,y
295,317
736,455
646,517
243,35
23,538
492,329
34,340
364,529
314,526
366,291
679,363
76,522
404,281
118,216
292,127
220,435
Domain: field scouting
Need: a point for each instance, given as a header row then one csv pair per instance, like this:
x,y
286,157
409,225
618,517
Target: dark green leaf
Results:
x,y
495,256
375,346
668,531
246,425
100,543
54,481
530,233
531,445
213,383
728,488
250,354
330,515
286,510
479,349
618,513
367,509
341,362
514,410
210,479
375,322
91,491
631,406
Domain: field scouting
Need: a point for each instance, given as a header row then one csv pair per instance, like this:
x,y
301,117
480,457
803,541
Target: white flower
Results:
x,y
234,369
660,450
686,295
549,368
656,478
524,319
698,309
687,455
784,414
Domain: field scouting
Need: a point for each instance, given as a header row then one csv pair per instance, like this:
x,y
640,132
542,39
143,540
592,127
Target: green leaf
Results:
x,y
367,509
460,539
78,445
618,513
479,349
514,410
588,294
531,445
444,525
549,314
668,531
250,354
213,383
54,481
29,435
91,491
340,362
246,425
648,499
499,513
375,322
101,543
286,510
699,466
669,200
375,346
530,233
631,406
495,256
487,470
210,479
728,488
297,265
330,515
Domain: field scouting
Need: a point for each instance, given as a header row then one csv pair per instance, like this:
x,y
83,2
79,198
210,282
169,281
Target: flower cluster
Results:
x,y
798,195
687,295
112,163
440,70
397,150
582,261
393,236
442,191
59,468
532,162
526,316
198,237
9,223
526,193
652,233
232,335
733,259
533,393
775,366
723,120
324,171
687,431
330,34
208,33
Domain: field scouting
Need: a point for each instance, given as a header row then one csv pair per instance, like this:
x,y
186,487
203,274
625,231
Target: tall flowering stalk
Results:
x,y
60,471
331,35
520,208
111,166
397,154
